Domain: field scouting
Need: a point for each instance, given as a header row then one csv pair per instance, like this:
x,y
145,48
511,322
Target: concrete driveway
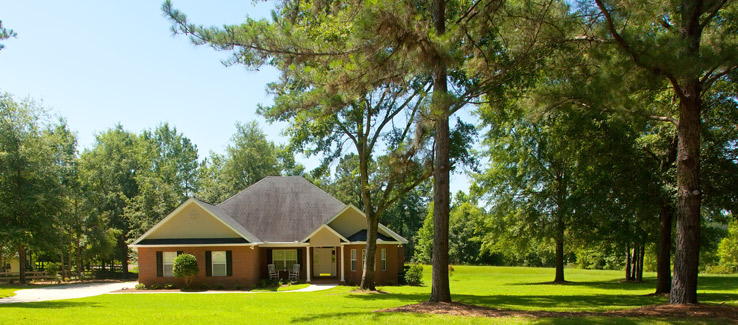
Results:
x,y
70,291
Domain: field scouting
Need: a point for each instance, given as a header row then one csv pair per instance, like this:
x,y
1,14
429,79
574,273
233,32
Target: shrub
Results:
x,y
219,286
414,275
52,268
719,269
262,283
238,286
204,286
140,286
185,266
170,286
155,286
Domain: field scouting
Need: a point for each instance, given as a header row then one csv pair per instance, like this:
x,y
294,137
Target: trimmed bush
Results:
x,y
169,286
414,275
238,286
204,286
185,266
219,286
140,286
155,286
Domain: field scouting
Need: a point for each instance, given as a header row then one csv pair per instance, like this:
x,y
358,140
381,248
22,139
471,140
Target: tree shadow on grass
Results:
x,y
539,302
616,284
716,282
373,316
56,304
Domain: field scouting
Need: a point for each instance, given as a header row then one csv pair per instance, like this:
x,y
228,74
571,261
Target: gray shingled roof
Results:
x,y
223,215
282,208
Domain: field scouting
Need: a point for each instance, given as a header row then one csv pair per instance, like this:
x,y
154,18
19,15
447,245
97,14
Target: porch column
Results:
x,y
307,270
342,263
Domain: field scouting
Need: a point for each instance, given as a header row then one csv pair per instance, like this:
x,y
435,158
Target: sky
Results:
x,y
100,63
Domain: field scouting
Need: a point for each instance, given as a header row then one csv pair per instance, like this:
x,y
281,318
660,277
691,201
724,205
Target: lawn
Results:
x,y
497,287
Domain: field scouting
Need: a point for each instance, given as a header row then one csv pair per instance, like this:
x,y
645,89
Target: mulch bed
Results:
x,y
722,312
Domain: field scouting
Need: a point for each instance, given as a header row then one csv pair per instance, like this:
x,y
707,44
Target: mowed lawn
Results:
x,y
497,287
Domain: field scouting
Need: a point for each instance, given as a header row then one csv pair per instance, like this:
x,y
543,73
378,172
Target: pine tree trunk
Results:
x,y
559,248
372,222
61,257
79,260
22,264
639,275
627,262
559,262
440,291
689,195
663,267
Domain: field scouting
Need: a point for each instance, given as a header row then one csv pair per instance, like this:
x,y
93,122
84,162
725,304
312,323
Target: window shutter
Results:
x,y
299,256
208,263
229,262
159,264
269,256
179,253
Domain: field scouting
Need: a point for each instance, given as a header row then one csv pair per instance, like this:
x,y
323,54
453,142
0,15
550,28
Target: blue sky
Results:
x,y
101,63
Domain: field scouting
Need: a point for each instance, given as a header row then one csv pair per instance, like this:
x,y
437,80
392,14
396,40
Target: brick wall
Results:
x,y
245,266
395,262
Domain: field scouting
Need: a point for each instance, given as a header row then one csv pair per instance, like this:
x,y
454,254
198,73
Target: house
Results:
x,y
278,220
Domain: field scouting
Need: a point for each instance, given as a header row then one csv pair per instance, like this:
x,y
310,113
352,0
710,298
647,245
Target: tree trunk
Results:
x,y
639,275
440,291
686,259
22,264
663,267
61,257
627,262
634,262
79,259
559,261
372,223
559,246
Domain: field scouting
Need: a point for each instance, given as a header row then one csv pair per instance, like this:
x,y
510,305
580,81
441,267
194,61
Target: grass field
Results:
x,y
497,287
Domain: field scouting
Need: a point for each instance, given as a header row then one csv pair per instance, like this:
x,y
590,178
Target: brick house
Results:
x,y
278,220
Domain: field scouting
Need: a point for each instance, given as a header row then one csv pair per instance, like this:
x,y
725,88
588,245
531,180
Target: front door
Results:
x,y
325,262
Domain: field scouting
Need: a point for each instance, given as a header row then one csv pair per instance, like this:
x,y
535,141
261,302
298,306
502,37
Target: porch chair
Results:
x,y
273,274
295,272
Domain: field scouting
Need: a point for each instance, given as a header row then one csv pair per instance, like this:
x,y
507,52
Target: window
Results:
x,y
168,262
353,259
284,259
384,259
219,263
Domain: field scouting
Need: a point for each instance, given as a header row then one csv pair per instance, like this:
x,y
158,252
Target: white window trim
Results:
x,y
213,263
284,259
384,259
165,264
353,259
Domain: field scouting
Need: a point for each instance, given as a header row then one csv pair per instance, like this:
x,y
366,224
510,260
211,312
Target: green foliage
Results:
x,y
53,268
32,161
185,266
5,34
140,286
728,249
169,286
414,275
467,230
219,286
249,158
204,286
155,286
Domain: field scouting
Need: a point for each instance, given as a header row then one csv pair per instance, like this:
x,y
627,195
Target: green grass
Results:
x,y
498,287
